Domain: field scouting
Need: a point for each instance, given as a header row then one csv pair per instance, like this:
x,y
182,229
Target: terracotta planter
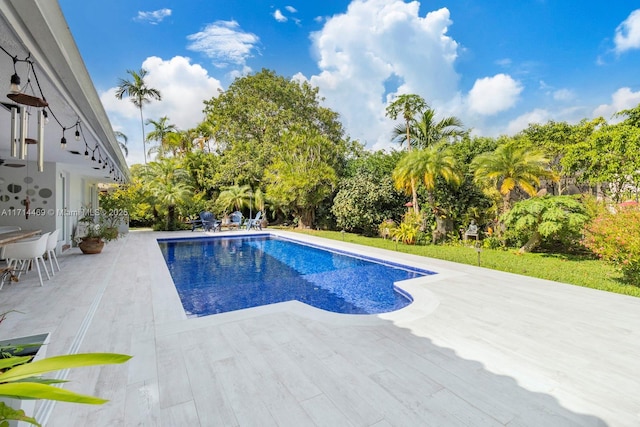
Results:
x,y
91,245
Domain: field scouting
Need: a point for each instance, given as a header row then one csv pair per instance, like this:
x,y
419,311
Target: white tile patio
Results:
x,y
476,348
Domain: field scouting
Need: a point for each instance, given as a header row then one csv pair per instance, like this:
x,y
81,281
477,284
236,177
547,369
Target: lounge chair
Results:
x,y
209,221
235,220
255,223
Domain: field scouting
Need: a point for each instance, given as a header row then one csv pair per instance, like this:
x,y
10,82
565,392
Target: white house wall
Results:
x,y
18,183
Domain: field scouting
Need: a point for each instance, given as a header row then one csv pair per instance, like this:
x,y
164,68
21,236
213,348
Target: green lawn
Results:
x,y
561,268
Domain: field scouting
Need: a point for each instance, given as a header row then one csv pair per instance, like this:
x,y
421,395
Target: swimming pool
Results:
x,y
219,274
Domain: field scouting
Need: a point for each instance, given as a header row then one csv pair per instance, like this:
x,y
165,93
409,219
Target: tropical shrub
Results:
x,y
409,229
364,201
386,228
615,237
538,220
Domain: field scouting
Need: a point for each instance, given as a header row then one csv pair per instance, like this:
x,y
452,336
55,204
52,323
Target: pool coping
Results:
x,y
424,301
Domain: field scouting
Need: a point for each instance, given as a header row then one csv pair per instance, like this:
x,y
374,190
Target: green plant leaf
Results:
x,y
22,390
7,413
10,362
56,363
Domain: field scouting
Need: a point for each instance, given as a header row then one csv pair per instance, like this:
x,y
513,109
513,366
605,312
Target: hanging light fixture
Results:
x,y
63,140
86,151
15,92
15,79
77,133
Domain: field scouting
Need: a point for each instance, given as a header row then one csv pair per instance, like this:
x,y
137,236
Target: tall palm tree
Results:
x,y
407,105
426,131
122,142
161,130
510,167
139,94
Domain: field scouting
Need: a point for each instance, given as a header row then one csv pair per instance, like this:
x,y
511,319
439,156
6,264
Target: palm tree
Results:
x,y
122,142
139,94
426,131
407,105
429,164
169,185
234,197
161,129
510,167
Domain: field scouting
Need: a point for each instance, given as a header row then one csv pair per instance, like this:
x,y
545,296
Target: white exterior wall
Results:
x,y
18,183
58,198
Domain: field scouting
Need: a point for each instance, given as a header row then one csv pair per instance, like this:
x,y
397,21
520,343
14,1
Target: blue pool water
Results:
x,y
220,274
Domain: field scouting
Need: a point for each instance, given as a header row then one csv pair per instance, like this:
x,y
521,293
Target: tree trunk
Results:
x,y
305,218
171,217
144,146
443,227
533,243
414,196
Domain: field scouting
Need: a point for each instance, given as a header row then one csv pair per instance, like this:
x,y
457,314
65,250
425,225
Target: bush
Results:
x,y
386,228
363,201
615,237
409,229
549,220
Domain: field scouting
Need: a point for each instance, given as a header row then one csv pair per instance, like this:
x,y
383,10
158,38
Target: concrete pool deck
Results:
x,y
477,348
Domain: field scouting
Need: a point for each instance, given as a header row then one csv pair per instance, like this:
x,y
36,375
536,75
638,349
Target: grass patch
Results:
x,y
590,273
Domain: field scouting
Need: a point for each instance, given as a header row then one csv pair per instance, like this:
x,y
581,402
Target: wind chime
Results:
x,y
20,113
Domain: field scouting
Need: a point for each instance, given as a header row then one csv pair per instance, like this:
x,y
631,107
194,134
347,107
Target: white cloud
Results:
x,y
291,9
491,95
153,17
523,121
279,16
224,42
183,86
373,42
628,33
564,95
622,99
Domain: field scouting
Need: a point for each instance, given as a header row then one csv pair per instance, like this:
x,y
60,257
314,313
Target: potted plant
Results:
x,y
98,229
22,362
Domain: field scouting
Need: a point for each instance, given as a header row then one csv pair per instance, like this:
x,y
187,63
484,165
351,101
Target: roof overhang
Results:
x,y
37,29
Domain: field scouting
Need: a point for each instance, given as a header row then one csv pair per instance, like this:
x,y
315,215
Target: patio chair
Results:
x,y
52,244
255,223
235,220
26,253
195,223
209,221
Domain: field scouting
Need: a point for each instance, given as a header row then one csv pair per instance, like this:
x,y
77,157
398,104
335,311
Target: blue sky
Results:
x,y
496,64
